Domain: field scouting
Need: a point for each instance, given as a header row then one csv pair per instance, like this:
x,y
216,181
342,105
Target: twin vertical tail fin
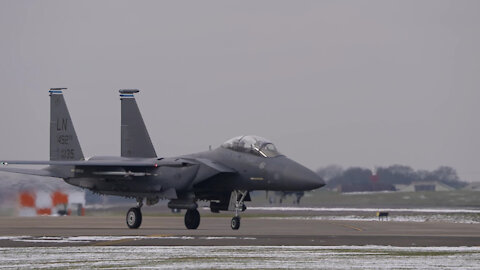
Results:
x,y
64,143
135,141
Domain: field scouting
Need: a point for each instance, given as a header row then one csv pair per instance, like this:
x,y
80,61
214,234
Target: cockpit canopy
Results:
x,y
252,144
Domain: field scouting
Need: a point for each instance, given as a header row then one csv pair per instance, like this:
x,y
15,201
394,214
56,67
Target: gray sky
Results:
x,y
355,83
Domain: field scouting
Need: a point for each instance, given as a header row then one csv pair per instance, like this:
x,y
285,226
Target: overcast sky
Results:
x,y
354,83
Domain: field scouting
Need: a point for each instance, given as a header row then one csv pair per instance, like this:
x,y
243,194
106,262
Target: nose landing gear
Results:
x,y
235,224
134,215
240,196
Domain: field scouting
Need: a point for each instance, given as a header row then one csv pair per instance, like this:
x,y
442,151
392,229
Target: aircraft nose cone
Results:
x,y
310,180
303,178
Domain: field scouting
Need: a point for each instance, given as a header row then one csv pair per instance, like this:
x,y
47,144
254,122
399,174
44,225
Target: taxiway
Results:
x,y
255,231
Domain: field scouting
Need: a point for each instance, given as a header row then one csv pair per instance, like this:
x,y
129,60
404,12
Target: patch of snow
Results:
x,y
346,209
86,239
242,257
395,218
227,238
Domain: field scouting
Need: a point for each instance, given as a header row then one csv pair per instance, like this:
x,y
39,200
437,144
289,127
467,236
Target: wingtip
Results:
x,y
56,90
128,91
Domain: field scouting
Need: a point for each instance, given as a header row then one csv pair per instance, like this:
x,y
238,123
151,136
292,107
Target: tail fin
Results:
x,y
64,143
134,138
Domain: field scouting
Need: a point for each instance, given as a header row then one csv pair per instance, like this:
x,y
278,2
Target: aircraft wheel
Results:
x,y
192,219
235,224
134,218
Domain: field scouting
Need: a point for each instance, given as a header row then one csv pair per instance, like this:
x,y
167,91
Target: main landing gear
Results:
x,y
188,202
192,216
192,219
134,215
239,206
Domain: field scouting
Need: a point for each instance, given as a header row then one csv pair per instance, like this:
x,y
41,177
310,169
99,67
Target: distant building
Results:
x,y
473,186
424,186
362,187
281,196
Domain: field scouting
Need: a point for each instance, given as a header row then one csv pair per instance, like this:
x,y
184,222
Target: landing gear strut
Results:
x,y
239,206
134,215
192,219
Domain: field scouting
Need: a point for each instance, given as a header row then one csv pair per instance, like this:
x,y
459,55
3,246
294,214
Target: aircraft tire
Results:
x,y
134,218
192,219
235,224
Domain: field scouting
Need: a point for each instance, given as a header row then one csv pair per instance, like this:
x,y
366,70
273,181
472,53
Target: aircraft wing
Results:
x,y
123,163
209,169
39,172
206,170
104,163
57,168
216,166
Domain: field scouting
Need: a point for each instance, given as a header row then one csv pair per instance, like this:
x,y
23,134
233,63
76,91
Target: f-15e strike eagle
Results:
x,y
223,176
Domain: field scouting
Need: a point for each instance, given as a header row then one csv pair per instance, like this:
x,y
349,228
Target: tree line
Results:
x,y
385,178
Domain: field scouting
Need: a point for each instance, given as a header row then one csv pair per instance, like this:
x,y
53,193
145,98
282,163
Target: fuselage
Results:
x,y
262,173
253,172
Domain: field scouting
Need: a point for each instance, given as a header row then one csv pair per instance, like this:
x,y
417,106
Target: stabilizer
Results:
x,y
135,141
64,143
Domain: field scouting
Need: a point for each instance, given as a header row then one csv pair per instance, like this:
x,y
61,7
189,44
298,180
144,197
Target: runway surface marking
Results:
x,y
348,226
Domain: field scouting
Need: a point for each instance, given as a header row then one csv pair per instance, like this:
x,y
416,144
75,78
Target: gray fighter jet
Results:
x,y
224,176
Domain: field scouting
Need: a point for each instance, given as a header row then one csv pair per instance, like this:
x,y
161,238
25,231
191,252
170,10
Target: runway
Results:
x,y
254,231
